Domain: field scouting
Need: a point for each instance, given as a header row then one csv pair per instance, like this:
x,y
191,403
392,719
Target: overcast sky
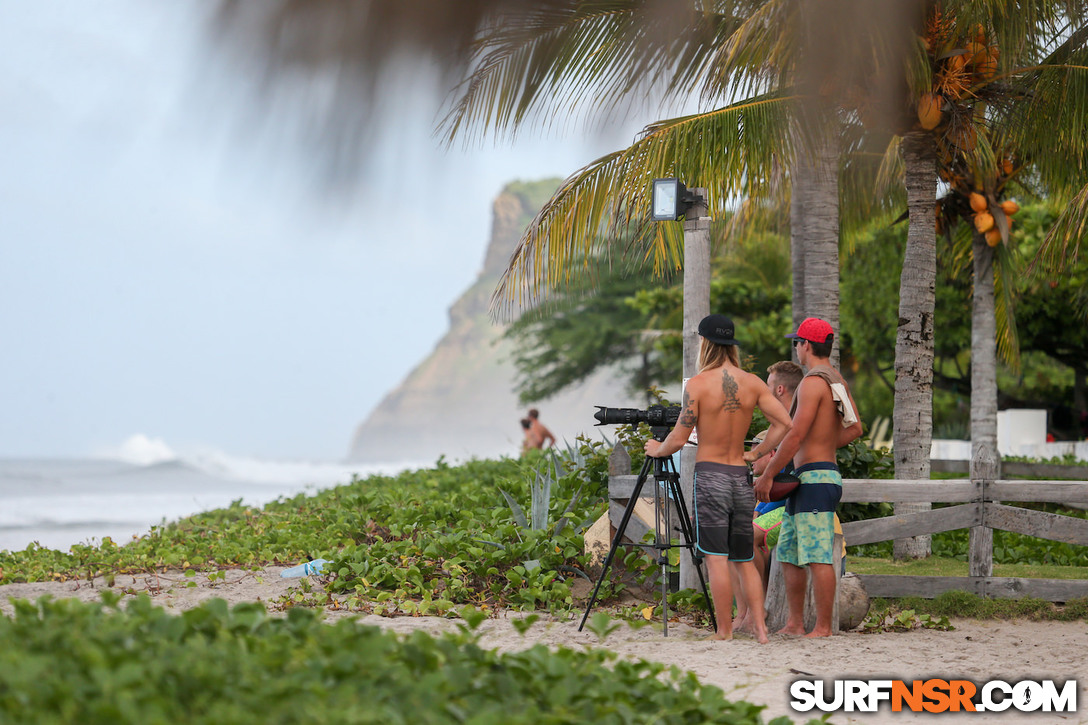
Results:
x,y
171,269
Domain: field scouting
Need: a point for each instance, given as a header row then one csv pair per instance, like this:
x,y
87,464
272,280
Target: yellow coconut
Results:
x,y
986,66
993,237
1007,166
976,52
957,62
984,222
929,110
978,201
980,33
1010,207
965,139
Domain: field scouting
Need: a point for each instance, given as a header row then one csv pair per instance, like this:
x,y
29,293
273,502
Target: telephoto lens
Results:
x,y
655,415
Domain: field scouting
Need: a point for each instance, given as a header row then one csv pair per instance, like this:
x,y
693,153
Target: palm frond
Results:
x,y
732,152
1006,271
1070,231
577,55
760,52
870,186
956,259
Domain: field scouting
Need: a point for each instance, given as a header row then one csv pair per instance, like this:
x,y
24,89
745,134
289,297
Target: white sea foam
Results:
x,y
141,450
126,491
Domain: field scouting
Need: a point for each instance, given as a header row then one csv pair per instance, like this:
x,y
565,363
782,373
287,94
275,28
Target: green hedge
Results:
x,y
63,661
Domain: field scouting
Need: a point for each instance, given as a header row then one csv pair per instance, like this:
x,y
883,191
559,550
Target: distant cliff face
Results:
x,y
460,401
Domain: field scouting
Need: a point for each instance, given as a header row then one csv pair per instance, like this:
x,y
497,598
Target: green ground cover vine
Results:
x,y
68,662
422,542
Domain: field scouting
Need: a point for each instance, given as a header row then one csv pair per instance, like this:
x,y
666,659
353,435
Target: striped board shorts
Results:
x,y
724,501
807,534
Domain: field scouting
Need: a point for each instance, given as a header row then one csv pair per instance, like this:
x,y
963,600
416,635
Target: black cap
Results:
x,y
718,329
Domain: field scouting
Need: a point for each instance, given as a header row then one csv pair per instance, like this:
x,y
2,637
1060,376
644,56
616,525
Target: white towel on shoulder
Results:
x,y
842,402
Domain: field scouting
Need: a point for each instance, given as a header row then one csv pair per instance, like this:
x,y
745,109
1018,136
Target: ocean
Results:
x,y
61,502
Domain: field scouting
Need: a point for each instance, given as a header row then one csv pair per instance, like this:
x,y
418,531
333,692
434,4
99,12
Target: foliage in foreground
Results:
x,y
65,661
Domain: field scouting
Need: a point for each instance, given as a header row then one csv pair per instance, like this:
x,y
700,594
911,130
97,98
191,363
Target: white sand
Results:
x,y
975,650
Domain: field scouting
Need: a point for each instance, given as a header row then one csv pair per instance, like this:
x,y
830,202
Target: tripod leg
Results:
x,y
631,503
689,539
662,537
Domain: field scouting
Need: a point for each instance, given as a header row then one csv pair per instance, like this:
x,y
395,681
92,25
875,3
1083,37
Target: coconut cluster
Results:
x,y
963,63
960,64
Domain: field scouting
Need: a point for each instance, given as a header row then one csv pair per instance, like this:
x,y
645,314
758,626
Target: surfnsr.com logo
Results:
x,y
933,695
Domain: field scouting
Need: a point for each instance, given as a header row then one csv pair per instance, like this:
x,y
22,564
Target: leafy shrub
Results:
x,y
68,662
418,543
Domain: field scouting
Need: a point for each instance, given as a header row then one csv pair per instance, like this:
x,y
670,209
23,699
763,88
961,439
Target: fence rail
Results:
x,y
982,508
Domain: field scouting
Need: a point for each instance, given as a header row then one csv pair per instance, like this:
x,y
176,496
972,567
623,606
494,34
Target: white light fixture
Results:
x,y
670,200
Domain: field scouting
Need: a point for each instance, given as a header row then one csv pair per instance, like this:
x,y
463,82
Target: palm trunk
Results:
x,y
912,419
983,391
814,237
983,350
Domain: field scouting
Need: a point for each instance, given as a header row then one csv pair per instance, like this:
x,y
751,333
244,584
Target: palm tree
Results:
x,y
1023,89
965,98
532,58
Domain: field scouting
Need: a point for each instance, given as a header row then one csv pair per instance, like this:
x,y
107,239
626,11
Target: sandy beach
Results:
x,y
974,650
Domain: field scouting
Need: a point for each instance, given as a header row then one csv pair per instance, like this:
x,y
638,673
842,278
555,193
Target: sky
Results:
x,y
172,267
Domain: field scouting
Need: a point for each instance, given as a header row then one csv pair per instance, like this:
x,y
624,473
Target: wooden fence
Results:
x,y
981,506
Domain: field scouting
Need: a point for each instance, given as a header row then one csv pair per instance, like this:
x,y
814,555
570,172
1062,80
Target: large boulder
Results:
x,y
853,602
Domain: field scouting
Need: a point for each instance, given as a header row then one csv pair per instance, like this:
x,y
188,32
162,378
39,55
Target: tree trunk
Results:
x,y
912,418
983,393
983,350
798,215
814,236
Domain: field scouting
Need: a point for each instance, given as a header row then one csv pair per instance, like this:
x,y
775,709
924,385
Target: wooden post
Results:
x,y
696,307
619,461
981,539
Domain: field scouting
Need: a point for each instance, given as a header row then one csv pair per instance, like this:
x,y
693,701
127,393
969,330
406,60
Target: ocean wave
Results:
x,y
254,470
144,483
140,450
150,454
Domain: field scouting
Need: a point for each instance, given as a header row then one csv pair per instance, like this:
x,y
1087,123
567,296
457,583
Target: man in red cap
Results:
x,y
719,400
824,419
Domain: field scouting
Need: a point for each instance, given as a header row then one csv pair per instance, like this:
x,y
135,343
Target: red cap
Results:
x,y
813,329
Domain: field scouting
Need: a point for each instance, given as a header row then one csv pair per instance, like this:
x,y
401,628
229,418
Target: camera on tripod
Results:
x,y
656,416
670,509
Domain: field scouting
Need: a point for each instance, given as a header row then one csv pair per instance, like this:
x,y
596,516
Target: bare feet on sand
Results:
x,y
721,637
793,630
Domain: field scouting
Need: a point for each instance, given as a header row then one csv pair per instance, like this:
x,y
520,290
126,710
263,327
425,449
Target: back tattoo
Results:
x,y
730,390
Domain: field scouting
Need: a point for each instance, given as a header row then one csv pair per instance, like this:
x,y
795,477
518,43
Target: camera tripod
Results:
x,y
666,490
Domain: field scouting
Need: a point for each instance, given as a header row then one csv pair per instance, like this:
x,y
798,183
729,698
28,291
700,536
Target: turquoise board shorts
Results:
x,y
807,534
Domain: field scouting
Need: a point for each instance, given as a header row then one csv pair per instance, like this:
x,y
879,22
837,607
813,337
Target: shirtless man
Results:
x,y
719,402
530,440
808,525
782,378
539,430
